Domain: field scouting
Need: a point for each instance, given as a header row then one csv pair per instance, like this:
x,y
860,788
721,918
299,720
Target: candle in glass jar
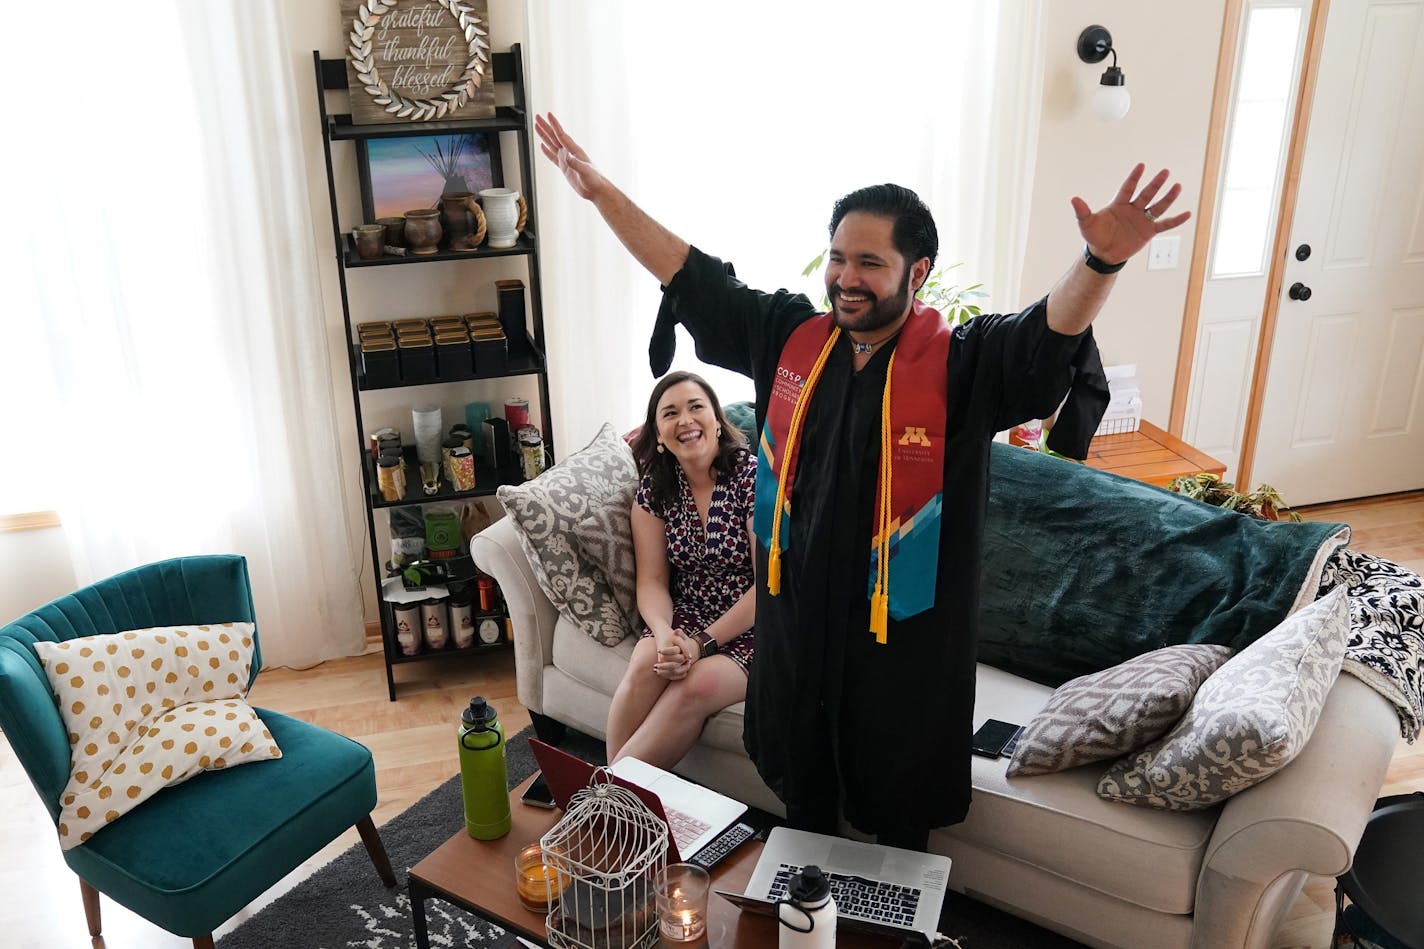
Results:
x,y
682,902
537,883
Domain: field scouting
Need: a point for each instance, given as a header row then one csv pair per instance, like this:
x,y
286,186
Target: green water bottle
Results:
x,y
483,777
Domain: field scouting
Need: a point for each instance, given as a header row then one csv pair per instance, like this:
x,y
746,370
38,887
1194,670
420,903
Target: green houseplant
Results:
x,y
1265,503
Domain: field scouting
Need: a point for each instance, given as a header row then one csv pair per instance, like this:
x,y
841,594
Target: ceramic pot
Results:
x,y
423,230
395,230
506,215
464,221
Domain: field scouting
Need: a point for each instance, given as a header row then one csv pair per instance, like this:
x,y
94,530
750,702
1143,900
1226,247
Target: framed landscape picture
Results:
x,y
412,171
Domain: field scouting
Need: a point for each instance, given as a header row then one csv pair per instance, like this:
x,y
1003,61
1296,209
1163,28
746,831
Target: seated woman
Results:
x,y
692,541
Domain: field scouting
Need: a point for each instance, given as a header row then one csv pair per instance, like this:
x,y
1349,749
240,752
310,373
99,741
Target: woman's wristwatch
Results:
x,y
709,646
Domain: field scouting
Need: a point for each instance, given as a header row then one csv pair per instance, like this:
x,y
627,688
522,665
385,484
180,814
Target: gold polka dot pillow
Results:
x,y
147,709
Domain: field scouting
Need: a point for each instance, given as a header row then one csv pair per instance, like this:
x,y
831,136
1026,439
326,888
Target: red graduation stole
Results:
x,y
913,417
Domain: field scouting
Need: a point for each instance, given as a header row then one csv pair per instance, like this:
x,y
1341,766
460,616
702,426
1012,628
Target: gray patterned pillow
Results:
x,y
1109,713
545,512
1249,719
605,539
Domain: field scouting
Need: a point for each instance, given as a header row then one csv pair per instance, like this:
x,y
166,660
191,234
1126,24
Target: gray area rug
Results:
x,y
344,905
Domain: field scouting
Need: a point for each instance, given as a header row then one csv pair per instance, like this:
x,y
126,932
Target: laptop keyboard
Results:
x,y
860,898
685,828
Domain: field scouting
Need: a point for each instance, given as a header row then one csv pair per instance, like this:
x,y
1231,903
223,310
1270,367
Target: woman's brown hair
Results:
x,y
661,467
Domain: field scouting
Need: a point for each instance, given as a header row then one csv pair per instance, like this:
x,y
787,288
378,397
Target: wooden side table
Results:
x,y
1151,455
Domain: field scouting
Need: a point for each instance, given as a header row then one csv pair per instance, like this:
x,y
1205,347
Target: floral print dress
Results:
x,y
710,567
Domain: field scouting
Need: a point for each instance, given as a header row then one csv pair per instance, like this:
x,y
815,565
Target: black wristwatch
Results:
x,y
709,645
1098,265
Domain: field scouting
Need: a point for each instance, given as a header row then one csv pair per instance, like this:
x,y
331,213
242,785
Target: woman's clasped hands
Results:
x,y
676,653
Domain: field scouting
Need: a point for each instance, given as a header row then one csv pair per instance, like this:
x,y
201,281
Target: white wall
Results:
x,y
1168,53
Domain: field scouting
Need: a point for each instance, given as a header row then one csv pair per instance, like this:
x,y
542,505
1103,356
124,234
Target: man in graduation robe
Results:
x,y
875,421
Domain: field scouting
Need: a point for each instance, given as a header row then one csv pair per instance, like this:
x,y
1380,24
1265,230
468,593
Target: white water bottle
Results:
x,y
808,914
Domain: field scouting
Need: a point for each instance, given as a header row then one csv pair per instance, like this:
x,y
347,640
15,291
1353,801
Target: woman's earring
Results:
x,y
719,431
661,449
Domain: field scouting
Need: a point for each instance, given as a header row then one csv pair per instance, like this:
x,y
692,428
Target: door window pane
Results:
x,y
1255,151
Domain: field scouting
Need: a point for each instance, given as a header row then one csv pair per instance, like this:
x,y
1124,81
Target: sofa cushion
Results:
x,y
1249,719
588,661
544,512
605,539
1056,822
1106,714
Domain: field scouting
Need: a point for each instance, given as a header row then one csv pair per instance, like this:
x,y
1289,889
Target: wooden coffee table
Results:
x,y
478,875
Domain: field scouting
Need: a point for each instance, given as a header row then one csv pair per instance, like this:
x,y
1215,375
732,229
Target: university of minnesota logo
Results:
x,y
914,436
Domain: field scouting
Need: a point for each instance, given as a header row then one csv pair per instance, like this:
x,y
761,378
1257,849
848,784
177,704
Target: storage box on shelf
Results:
x,y
467,354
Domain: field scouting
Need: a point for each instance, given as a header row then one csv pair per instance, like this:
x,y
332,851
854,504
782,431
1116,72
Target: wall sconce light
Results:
x,y
1112,99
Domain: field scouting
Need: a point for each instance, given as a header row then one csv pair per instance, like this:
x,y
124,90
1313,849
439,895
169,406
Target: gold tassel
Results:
x,y
880,616
773,572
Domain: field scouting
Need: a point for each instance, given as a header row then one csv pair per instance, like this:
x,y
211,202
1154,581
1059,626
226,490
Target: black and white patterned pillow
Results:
x,y
1248,720
1386,644
1109,713
545,513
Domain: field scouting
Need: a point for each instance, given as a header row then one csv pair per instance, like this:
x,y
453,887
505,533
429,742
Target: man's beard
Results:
x,y
880,314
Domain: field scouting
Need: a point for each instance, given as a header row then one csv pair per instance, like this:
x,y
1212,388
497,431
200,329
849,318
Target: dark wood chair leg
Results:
x,y
203,942
376,849
91,908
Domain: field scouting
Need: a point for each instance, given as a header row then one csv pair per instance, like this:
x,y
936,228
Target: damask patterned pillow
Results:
x,y
147,709
605,539
1106,714
545,513
1249,719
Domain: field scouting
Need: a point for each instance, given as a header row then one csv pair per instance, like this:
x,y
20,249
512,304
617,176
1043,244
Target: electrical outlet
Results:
x,y
1163,251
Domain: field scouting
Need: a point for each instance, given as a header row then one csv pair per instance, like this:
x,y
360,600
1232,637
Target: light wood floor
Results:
x,y
413,743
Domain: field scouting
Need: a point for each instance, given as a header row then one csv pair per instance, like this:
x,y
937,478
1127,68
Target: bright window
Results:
x,y
1260,112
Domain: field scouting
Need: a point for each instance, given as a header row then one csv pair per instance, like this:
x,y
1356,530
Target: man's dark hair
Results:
x,y
915,235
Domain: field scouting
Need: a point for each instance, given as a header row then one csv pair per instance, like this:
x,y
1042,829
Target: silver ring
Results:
x,y
1150,216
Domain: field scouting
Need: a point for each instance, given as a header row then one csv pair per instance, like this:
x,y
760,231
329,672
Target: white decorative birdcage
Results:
x,y
608,850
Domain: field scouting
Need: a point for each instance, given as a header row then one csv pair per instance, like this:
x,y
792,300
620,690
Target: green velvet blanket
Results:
x,y
1083,569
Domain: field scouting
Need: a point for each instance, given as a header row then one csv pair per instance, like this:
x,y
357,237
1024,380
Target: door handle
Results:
x,y
1299,291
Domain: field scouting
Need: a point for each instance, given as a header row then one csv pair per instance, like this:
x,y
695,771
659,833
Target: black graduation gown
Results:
x,y
832,717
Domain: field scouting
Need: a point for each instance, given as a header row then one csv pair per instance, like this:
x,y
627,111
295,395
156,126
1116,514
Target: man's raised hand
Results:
x,y
563,151
1133,218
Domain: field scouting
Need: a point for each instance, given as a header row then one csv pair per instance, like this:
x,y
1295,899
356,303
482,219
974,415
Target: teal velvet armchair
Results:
x,y
193,855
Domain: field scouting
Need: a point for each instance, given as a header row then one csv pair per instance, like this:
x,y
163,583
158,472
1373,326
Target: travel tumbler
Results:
x,y
483,776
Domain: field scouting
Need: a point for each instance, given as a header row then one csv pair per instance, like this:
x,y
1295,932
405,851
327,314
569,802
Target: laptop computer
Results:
x,y
695,815
877,889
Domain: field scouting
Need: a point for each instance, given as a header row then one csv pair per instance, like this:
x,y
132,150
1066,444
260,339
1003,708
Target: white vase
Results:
x,y
504,213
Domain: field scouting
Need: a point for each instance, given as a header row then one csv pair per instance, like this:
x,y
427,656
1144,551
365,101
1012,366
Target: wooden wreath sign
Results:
x,y
418,60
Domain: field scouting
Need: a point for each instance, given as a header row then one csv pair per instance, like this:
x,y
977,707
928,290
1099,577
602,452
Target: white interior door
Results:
x,y
1264,83
1343,409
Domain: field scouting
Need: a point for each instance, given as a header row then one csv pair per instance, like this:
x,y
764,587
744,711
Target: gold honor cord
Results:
x,y
788,452
880,599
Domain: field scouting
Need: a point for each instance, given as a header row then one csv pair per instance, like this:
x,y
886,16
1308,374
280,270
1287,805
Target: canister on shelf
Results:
x,y
463,431
408,627
462,618
388,478
516,413
531,452
436,621
489,594
448,444
442,531
462,468
392,457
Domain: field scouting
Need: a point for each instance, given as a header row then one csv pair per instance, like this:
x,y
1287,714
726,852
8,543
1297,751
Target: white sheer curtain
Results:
x,y
738,124
170,288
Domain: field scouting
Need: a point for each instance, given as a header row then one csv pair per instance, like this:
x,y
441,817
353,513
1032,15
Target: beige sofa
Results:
x,y
1045,848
